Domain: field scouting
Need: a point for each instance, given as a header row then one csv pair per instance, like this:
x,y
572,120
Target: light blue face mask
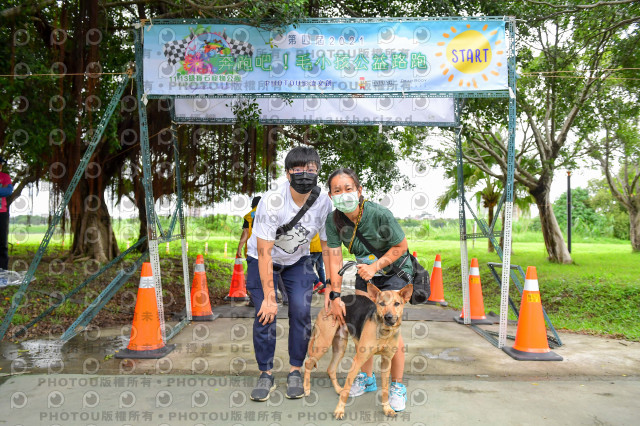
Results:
x,y
346,202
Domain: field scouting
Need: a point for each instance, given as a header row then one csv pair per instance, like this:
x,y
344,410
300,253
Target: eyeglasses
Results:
x,y
312,170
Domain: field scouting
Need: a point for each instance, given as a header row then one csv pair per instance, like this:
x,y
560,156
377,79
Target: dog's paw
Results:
x,y
388,411
307,392
338,414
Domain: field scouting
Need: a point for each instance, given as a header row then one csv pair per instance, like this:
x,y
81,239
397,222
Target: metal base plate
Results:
x,y
531,356
153,354
459,320
237,299
209,317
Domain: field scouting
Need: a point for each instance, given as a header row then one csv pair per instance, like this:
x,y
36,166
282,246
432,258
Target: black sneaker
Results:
x,y
263,389
294,385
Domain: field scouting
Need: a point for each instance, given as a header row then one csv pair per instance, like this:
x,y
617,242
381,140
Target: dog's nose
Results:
x,y
389,319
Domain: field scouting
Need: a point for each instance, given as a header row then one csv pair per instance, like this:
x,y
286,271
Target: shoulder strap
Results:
x,y
315,193
362,239
378,253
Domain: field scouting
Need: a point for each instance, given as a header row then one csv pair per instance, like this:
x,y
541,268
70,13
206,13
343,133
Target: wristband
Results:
x,y
334,295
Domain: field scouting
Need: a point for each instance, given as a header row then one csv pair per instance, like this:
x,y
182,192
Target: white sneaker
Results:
x,y
397,396
362,383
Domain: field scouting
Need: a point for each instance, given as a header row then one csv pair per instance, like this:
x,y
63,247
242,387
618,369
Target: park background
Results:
x,y
578,111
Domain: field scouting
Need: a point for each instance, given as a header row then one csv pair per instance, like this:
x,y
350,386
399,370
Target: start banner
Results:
x,y
325,58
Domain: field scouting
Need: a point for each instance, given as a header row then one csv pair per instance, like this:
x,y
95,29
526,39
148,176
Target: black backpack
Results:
x,y
421,283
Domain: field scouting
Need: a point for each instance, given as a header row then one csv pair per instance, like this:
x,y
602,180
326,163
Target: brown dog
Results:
x,y
374,324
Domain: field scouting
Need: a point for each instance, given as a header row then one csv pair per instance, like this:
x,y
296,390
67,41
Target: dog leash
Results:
x,y
340,272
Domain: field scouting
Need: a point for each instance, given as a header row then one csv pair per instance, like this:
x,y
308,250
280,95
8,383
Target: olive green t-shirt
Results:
x,y
380,229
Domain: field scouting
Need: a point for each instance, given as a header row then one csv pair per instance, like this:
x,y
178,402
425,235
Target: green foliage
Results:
x,y
370,153
273,15
604,203
584,217
425,230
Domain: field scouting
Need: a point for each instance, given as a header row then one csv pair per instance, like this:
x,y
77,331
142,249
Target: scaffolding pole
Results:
x,y
149,201
509,190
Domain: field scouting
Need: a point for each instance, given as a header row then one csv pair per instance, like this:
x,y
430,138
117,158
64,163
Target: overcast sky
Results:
x,y
428,187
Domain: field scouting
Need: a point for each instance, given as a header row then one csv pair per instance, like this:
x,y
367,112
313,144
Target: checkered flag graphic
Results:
x,y
238,47
175,50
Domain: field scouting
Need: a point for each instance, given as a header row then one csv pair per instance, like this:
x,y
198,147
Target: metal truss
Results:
x,y
153,224
154,228
59,211
204,120
231,21
323,95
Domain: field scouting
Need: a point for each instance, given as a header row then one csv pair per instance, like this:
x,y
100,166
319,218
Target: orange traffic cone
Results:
x,y
200,303
437,291
146,337
238,288
531,337
475,297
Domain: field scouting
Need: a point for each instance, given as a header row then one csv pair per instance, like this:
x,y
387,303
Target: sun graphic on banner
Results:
x,y
470,56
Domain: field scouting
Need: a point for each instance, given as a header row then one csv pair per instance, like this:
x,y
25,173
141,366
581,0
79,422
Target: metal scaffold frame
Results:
x,y
487,231
153,227
156,234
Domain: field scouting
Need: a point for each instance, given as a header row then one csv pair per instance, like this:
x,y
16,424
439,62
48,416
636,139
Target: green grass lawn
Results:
x,y
599,293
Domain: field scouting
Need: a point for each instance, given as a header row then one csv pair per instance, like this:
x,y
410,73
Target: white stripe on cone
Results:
x,y
474,271
531,285
146,282
437,264
199,267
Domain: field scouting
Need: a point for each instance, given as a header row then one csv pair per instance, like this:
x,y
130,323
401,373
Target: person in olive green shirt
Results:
x,y
378,226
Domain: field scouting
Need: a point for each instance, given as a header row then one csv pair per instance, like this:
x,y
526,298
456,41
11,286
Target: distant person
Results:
x,y
6,189
317,262
247,226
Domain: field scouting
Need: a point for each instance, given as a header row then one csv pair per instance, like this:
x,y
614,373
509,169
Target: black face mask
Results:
x,y
303,182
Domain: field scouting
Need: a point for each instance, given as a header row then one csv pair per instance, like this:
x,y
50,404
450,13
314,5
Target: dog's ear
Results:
x,y
406,292
372,291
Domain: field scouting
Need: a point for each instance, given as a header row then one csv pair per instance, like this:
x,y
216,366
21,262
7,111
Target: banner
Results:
x,y
325,58
314,110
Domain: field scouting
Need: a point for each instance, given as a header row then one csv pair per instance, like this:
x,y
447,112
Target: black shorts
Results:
x,y
385,282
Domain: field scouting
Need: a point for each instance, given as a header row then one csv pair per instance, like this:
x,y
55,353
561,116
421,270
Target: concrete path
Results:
x,y
453,376
68,399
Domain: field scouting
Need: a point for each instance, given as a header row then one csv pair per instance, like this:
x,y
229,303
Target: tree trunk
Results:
x,y
553,240
490,221
634,229
93,236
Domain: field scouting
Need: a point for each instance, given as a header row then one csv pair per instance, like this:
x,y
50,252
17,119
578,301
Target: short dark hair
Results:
x,y
255,201
300,156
